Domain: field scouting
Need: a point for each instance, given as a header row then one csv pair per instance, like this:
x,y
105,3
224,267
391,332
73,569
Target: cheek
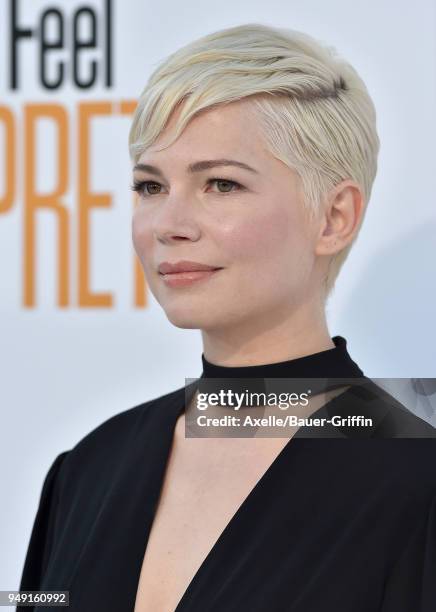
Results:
x,y
266,239
270,255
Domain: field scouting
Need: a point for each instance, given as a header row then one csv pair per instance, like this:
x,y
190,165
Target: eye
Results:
x,y
140,186
227,183
143,187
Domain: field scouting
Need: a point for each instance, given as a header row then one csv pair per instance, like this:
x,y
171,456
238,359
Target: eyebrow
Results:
x,y
199,166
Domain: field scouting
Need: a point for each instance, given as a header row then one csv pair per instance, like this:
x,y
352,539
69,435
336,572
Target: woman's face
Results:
x,y
250,223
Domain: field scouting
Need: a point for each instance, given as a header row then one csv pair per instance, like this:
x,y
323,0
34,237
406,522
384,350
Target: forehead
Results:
x,y
223,131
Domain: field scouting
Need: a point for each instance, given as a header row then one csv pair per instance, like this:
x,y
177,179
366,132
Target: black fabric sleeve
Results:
x,y
41,538
412,583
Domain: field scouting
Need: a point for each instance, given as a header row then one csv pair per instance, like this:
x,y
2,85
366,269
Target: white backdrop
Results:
x,y
66,369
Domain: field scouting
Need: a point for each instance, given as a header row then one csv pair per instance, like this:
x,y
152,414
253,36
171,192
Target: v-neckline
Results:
x,y
178,410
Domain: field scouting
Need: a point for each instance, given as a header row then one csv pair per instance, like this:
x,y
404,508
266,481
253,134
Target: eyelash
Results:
x,y
139,186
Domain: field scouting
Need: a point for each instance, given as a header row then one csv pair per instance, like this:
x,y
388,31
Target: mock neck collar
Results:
x,y
333,362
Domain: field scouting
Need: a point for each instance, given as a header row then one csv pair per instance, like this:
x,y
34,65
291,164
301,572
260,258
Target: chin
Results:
x,y
184,323
184,319
194,318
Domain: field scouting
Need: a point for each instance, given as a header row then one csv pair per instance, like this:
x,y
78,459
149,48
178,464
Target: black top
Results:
x,y
334,362
332,365
335,524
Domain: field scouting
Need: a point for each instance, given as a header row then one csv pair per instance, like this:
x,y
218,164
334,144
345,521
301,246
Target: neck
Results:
x,y
269,339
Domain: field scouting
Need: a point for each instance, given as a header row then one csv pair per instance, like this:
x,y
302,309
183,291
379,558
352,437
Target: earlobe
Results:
x,y
327,245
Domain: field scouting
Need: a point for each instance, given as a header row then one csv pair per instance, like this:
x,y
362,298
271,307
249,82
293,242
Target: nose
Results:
x,y
175,220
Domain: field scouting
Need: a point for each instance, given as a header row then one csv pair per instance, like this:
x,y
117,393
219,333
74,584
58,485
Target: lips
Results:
x,y
185,279
184,266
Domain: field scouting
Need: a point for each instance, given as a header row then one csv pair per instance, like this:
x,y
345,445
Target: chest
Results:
x,y
205,483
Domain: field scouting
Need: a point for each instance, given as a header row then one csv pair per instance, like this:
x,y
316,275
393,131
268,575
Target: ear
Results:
x,y
341,218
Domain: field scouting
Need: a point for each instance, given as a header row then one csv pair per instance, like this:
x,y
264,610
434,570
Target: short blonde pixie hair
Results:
x,y
314,110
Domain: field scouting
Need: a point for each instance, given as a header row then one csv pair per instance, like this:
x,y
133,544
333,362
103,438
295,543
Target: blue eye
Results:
x,y
142,187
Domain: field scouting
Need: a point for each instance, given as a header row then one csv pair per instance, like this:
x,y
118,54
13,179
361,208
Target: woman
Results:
x,y
254,152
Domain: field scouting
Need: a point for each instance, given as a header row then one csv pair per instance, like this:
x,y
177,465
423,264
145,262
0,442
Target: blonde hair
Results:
x,y
314,110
